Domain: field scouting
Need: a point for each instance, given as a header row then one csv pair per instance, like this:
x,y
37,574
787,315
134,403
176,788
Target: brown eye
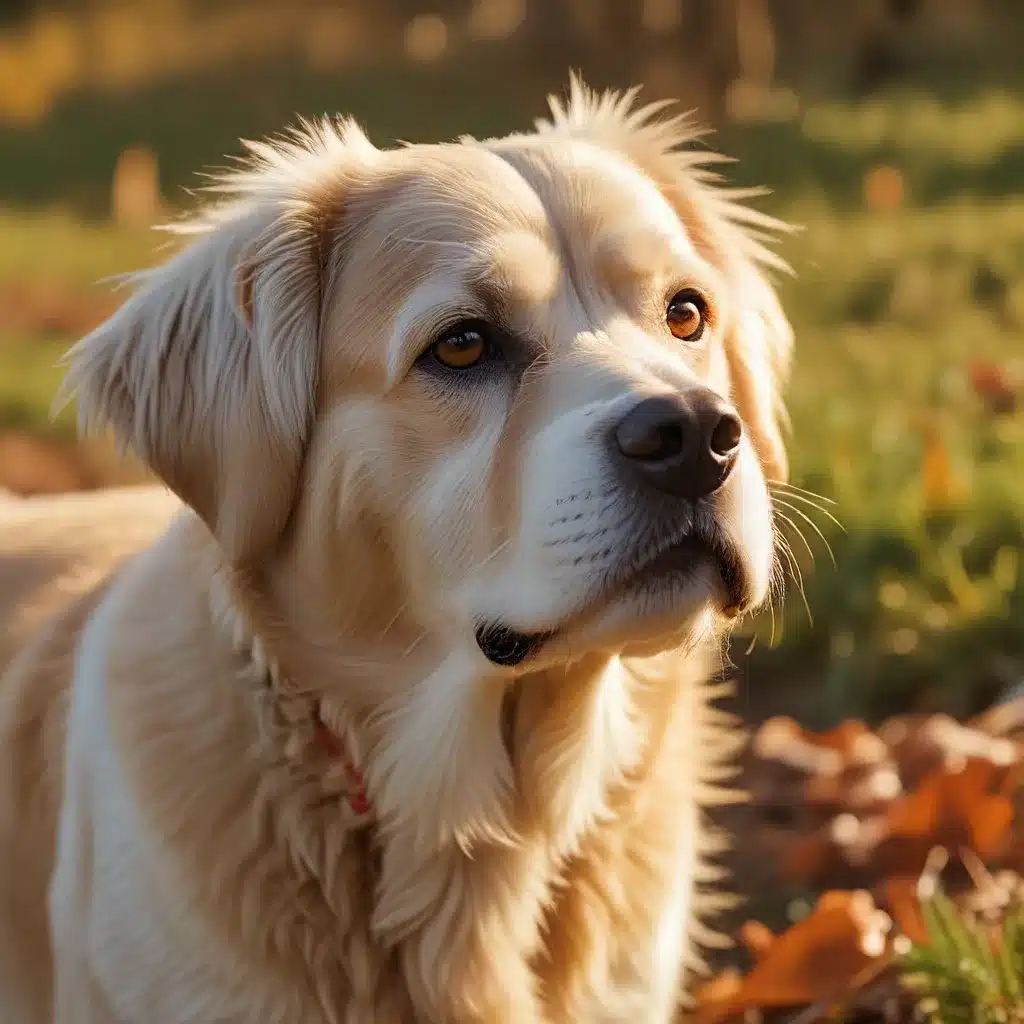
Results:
x,y
685,315
462,347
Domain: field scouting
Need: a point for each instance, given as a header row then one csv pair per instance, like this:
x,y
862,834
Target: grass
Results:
x,y
65,252
28,382
53,256
925,600
968,971
892,309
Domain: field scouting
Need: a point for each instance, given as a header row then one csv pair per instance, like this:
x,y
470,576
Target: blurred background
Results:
x,y
891,130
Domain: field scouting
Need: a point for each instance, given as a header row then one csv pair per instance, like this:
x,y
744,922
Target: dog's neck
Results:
x,y
314,725
311,731
448,759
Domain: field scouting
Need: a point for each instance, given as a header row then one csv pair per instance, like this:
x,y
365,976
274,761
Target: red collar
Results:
x,y
335,748
329,742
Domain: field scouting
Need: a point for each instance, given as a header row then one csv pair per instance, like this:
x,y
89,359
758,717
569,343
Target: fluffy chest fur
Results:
x,y
265,895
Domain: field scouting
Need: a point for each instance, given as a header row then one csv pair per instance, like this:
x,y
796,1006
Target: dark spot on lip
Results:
x,y
734,578
503,645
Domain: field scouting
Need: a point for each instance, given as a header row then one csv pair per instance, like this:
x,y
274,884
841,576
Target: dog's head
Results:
x,y
521,395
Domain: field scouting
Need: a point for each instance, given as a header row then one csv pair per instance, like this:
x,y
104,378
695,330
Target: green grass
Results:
x,y
926,602
946,143
57,248
969,971
926,598
29,377
58,252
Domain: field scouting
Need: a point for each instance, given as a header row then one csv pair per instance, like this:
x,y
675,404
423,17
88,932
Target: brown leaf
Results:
x,y
950,809
758,938
713,1000
922,744
900,895
821,959
1004,720
992,385
968,809
883,188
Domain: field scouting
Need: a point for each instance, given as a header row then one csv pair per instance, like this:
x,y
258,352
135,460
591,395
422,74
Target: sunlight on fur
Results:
x,y
407,714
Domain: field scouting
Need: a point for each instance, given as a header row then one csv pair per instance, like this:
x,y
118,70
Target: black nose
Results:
x,y
684,444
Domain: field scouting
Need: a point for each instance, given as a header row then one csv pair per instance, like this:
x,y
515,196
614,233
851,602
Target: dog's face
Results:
x,y
536,376
547,402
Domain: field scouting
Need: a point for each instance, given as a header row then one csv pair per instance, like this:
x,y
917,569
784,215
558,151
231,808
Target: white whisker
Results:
x,y
796,529
787,486
804,500
795,572
810,522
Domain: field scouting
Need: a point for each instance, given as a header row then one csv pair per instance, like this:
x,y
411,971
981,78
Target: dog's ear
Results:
x,y
209,370
208,373
758,346
732,236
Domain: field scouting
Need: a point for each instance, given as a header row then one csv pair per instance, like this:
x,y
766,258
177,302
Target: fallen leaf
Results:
x,y
900,896
758,939
992,385
821,959
922,744
883,189
950,809
937,481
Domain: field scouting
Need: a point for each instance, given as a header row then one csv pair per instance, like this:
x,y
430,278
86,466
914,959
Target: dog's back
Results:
x,y
56,557
53,549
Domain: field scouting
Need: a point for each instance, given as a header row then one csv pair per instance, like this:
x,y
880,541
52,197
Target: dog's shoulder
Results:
x,y
53,550
34,693
59,557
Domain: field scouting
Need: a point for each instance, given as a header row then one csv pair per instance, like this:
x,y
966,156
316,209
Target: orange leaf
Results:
x,y
714,999
883,188
905,907
954,809
820,959
758,938
936,472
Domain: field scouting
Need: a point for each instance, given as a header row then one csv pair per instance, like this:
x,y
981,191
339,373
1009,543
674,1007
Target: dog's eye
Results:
x,y
462,346
686,315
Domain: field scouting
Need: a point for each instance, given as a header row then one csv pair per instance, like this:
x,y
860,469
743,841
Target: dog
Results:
x,y
394,706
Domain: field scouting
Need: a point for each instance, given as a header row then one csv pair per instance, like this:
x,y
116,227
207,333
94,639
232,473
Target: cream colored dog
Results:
x,y
402,719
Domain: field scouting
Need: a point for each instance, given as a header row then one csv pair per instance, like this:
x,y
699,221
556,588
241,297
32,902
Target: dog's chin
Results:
x,y
658,611
668,601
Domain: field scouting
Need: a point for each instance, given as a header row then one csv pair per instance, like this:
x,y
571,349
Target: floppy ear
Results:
x,y
209,371
733,237
758,347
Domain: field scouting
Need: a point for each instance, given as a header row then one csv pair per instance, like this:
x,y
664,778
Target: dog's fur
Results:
x,y
175,844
